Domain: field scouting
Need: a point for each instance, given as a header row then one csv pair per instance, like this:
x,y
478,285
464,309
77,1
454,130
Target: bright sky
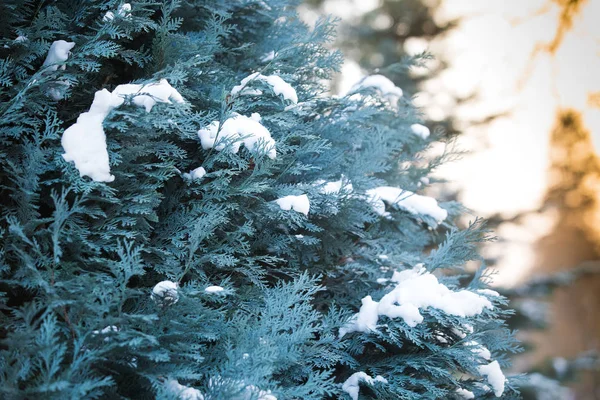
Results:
x,y
492,53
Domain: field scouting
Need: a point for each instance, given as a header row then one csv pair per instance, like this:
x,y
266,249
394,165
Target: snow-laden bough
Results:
x,y
277,84
409,201
352,384
85,141
236,130
299,204
416,289
381,84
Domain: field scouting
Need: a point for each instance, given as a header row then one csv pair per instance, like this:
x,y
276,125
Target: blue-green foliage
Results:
x,y
79,258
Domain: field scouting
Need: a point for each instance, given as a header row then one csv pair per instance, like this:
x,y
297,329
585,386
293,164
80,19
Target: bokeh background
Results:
x,y
516,85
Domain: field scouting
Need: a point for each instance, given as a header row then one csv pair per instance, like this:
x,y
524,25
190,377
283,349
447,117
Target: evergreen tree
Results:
x,y
186,214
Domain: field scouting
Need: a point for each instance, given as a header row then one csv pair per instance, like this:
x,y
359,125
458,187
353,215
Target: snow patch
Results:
x,y
214,289
184,392
416,289
465,394
85,141
236,130
334,187
352,384
409,201
165,293
278,85
479,350
380,83
420,130
299,204
488,292
494,375
268,56
58,53
124,11
197,173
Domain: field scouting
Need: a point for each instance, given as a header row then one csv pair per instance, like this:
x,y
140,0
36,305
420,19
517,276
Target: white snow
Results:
x,y
278,85
351,385
409,201
334,187
488,292
21,39
465,394
103,331
299,204
268,56
383,257
184,392
165,293
106,330
214,289
109,16
479,350
299,236
416,289
420,130
494,375
365,320
560,365
382,281
236,130
85,142
58,53
124,11
165,288
197,173
382,84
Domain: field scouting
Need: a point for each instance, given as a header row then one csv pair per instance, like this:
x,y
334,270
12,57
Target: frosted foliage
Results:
x,y
236,130
409,201
278,85
416,289
380,83
494,375
58,53
184,392
300,203
85,141
420,130
352,384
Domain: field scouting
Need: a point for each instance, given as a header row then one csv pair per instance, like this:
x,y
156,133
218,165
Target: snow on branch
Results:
x,y
236,130
352,384
58,53
299,204
85,141
416,289
409,201
381,84
278,85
